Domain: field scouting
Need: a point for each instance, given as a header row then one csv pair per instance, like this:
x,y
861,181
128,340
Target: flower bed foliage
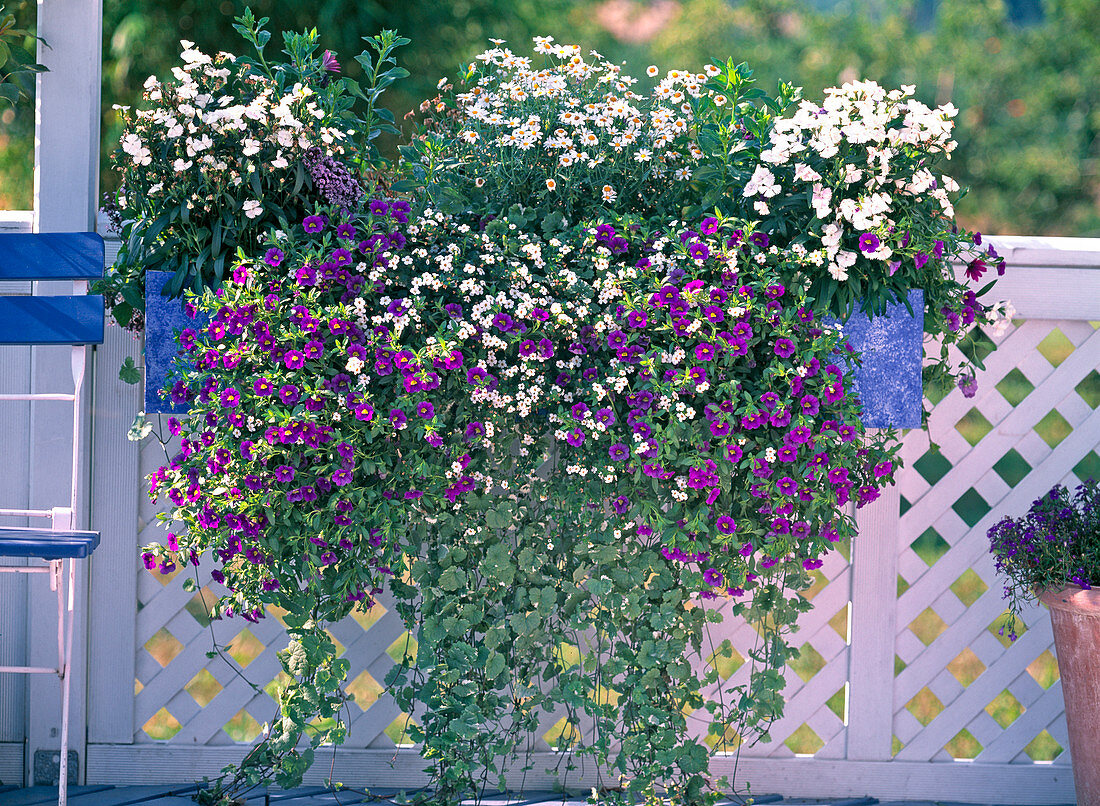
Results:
x,y
848,185
232,147
567,413
1052,546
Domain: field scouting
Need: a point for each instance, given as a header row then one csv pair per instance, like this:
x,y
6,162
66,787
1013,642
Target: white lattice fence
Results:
x,y
970,713
184,697
960,691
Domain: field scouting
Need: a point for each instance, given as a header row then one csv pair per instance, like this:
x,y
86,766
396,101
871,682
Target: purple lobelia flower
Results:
x,y
333,180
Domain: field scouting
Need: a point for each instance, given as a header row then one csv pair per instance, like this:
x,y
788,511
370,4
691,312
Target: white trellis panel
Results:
x,y
903,689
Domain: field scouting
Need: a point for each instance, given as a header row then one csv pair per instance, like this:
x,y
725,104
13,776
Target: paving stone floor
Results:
x,y
180,795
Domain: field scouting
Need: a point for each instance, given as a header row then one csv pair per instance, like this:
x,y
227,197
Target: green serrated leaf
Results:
x,y
129,372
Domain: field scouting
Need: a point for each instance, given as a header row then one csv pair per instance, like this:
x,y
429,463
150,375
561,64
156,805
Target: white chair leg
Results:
x,y
66,678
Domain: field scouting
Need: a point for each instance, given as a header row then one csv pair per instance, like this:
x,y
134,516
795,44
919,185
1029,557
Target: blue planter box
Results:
x,y
164,318
892,347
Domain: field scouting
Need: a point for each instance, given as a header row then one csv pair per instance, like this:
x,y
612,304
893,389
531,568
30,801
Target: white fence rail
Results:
x,y
904,687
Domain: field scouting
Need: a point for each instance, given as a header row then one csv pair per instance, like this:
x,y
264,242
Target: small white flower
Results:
x,y
253,208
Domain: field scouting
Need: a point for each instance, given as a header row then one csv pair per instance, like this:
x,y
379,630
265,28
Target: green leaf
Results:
x,y
494,665
452,579
129,372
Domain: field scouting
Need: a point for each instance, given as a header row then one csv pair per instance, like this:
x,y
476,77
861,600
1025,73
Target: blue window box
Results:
x,y
164,319
889,381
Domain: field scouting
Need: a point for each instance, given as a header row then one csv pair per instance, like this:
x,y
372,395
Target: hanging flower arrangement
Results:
x,y
582,387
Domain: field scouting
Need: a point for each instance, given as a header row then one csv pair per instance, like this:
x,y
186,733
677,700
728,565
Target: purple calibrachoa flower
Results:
x,y
313,223
274,257
284,473
713,577
868,242
619,452
230,398
726,525
294,359
704,352
784,348
425,410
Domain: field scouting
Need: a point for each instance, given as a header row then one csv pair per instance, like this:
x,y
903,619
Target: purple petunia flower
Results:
x,y
274,257
704,352
619,452
699,251
968,385
868,242
575,437
284,473
294,359
784,348
726,525
713,578
313,223
289,394
425,410
230,398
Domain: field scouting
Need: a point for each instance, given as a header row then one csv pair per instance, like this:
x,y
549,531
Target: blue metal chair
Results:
x,y
75,320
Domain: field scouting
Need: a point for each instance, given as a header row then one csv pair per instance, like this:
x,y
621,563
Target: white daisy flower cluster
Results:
x,y
577,123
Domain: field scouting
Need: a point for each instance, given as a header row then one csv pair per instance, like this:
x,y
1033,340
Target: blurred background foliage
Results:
x,y
1025,74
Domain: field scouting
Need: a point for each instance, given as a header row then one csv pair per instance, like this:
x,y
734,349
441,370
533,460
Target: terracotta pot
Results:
x,y
1075,615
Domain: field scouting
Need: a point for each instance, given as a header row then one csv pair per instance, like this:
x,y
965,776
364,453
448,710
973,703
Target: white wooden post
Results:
x,y
66,187
115,490
874,619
